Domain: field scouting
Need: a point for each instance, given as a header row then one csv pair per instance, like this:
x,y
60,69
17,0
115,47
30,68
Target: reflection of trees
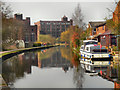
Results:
x,y
78,71
78,76
9,70
16,66
117,67
75,60
66,52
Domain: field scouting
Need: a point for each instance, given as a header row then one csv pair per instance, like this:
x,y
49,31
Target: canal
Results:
x,y
57,67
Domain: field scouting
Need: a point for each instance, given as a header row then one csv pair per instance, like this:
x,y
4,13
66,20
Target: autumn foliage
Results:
x,y
72,36
75,60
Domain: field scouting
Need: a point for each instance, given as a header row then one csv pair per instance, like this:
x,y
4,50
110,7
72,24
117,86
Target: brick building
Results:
x,y
97,27
27,32
100,32
54,28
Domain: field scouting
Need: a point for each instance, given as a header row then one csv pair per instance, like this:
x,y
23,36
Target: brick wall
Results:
x,y
26,32
101,29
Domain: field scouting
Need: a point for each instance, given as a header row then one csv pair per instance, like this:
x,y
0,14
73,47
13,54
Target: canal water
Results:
x,y
56,67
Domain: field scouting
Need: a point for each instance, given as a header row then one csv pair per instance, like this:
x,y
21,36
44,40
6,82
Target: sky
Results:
x,y
92,10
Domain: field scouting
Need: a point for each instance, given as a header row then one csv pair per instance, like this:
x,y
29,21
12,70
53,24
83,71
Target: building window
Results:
x,y
87,48
97,28
103,27
26,38
94,30
33,37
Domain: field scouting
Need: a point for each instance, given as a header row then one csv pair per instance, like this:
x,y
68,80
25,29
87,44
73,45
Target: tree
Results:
x,y
47,39
65,36
72,36
10,26
78,17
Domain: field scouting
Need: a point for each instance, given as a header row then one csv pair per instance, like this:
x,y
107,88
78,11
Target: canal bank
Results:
x,y
7,54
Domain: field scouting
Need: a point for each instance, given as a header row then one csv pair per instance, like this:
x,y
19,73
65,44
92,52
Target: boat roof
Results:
x,y
90,45
90,41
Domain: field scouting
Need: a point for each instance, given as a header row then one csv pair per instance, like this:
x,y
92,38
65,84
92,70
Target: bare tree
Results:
x,y
111,9
78,17
5,10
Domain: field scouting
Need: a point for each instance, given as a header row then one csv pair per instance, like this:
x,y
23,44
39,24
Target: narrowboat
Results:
x,y
87,42
95,52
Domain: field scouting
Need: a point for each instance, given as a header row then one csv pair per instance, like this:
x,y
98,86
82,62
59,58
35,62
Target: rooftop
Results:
x,y
90,41
95,24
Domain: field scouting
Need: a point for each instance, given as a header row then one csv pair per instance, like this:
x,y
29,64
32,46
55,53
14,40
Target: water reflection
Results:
x,y
106,69
44,66
17,66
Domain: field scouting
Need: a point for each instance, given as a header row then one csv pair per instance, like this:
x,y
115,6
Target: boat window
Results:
x,y
100,51
91,43
81,47
87,48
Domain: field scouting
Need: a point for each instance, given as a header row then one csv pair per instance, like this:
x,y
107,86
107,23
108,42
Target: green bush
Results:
x,y
36,44
114,48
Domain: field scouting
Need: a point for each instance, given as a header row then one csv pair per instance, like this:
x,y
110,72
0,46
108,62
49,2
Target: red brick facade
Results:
x,y
100,32
54,28
97,28
27,32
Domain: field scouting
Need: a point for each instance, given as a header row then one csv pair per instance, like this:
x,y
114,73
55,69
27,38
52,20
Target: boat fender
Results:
x,y
90,61
84,55
109,55
101,72
90,56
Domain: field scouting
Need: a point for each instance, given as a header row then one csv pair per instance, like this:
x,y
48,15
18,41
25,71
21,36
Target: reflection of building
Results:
x,y
27,32
39,61
55,61
53,28
28,59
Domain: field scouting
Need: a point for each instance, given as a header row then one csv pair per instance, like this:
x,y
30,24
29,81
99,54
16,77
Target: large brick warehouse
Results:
x,y
54,28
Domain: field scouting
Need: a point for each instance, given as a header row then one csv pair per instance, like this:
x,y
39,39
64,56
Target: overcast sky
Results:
x,y
93,10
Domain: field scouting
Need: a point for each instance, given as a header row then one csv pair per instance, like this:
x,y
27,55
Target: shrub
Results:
x,y
114,48
36,44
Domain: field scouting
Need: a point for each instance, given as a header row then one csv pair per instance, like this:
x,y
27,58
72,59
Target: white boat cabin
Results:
x,y
95,52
